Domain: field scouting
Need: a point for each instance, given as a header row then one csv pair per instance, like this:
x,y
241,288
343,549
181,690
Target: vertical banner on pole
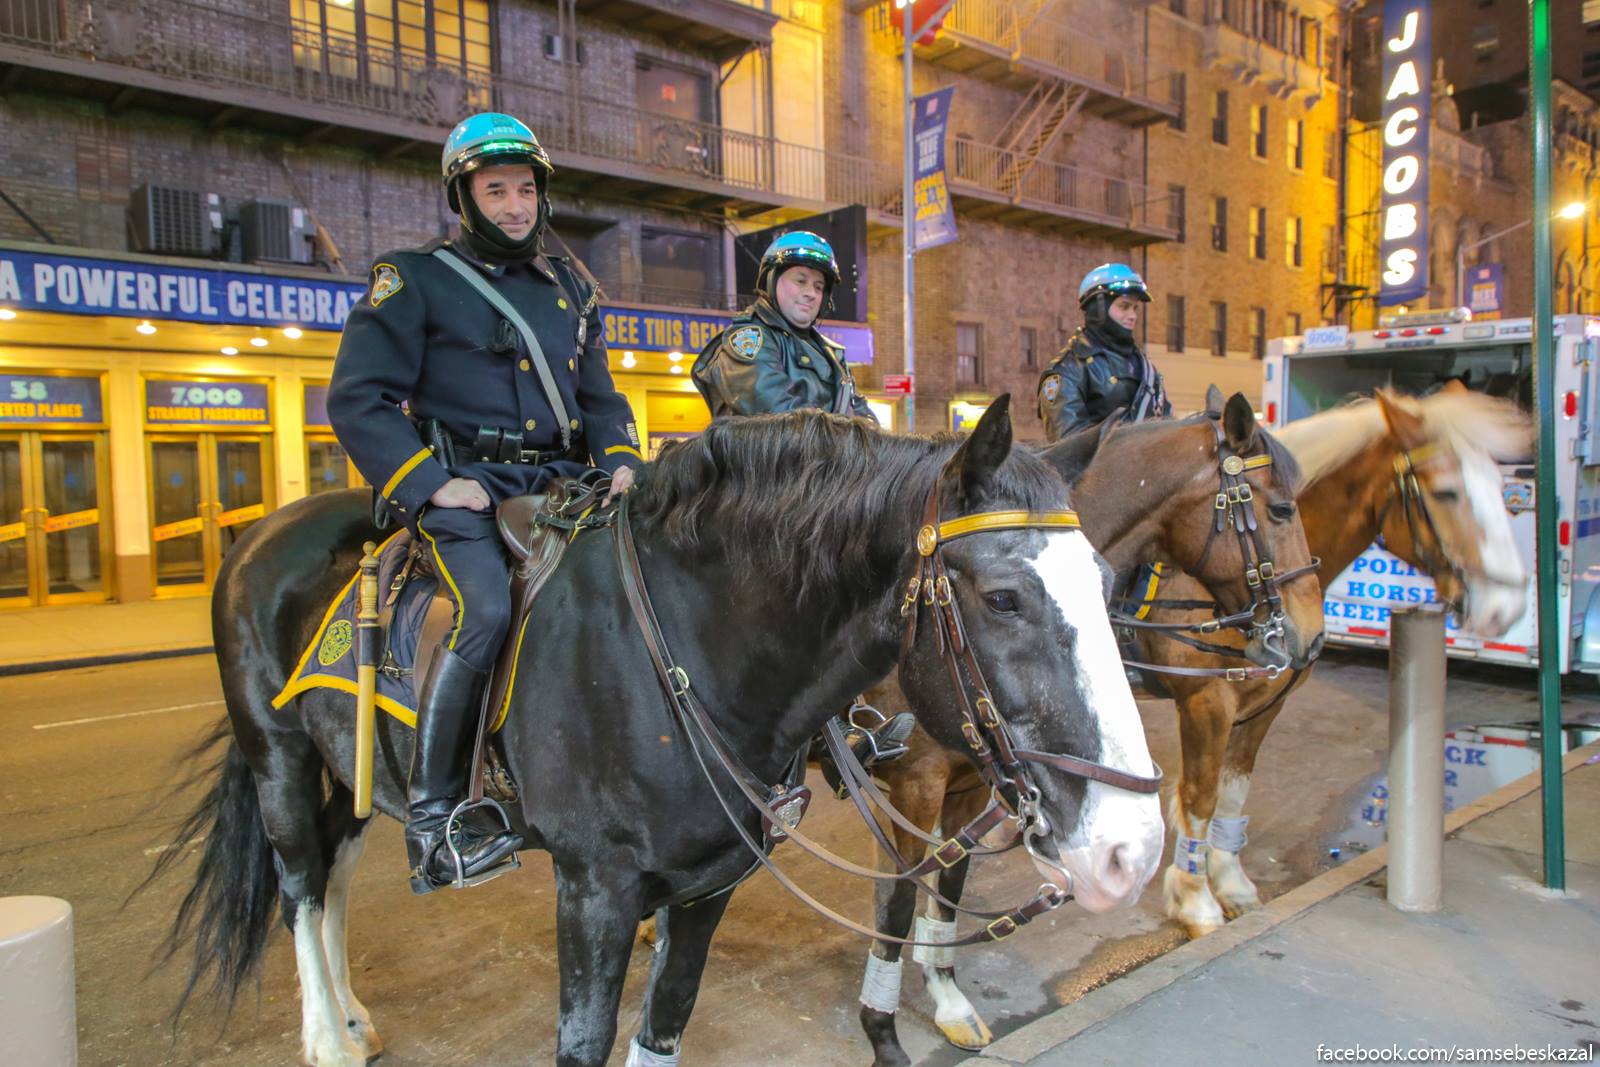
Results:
x,y
1407,88
934,218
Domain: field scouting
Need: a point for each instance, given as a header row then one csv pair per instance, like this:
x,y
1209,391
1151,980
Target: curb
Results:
x,y
76,662
1065,1023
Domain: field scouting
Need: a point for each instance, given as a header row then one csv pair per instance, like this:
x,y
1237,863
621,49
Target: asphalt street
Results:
x,y
92,784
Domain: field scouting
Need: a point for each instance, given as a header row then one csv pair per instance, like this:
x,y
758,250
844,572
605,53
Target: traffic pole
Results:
x,y
1416,759
909,238
1555,862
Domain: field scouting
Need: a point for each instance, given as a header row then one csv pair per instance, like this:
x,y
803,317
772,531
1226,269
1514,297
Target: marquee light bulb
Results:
x,y
292,333
145,328
259,342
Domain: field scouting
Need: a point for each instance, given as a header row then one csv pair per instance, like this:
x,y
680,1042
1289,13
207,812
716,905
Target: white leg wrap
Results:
x,y
639,1056
1190,855
1228,834
931,929
880,988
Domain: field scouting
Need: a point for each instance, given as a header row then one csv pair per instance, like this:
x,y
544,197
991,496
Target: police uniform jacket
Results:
x,y
1094,376
762,364
423,336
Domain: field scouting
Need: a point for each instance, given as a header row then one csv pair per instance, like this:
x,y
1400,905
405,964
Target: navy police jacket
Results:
x,y
762,364
424,337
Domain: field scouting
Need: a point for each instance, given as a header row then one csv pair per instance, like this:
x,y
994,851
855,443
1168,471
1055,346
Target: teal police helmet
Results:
x,y
487,139
1112,280
798,248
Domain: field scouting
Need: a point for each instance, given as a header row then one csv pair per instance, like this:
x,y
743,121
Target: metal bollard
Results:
x,y
1416,759
38,1006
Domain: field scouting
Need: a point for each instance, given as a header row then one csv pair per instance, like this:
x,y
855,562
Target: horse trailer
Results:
x,y
1414,354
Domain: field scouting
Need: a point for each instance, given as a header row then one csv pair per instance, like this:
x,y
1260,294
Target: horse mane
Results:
x,y
1284,461
802,498
1466,421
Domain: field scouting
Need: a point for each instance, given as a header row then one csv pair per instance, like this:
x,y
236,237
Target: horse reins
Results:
x,y
1002,763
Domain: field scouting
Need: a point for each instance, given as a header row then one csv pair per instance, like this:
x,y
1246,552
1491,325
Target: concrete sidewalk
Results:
x,y
1331,966
85,635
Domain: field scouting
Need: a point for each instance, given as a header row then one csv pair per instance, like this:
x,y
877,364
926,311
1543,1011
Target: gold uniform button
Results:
x,y
572,364
574,424
525,365
561,303
806,360
1113,379
528,425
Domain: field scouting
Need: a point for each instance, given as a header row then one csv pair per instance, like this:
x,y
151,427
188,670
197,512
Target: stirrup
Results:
x,y
885,740
511,862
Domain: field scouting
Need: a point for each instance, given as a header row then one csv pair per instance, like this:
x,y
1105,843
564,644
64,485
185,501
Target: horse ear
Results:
x,y
1239,423
1071,456
1404,426
1214,401
982,453
1454,385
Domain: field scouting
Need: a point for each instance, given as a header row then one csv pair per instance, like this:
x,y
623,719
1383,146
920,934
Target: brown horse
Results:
x,y
1144,492
1349,459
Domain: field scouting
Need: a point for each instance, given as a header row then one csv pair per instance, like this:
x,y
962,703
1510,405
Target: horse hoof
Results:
x,y
968,1032
1189,902
345,1053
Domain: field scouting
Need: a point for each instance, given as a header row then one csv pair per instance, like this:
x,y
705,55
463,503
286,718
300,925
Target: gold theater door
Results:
x,y
55,536
205,490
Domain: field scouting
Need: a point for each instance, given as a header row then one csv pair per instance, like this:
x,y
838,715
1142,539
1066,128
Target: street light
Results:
x,y
1570,211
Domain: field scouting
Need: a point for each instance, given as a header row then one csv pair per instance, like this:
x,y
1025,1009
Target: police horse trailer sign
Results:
x,y
1414,354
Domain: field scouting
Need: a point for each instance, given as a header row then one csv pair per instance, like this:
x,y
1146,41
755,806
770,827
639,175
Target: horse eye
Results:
x,y
1003,602
1282,512
1446,496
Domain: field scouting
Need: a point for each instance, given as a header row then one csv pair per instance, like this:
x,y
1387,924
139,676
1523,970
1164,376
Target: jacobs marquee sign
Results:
x,y
1407,50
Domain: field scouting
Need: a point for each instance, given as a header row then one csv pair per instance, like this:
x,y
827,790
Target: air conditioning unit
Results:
x,y
276,231
178,222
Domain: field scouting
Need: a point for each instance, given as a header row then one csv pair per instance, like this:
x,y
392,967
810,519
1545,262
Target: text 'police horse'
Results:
x,y
777,552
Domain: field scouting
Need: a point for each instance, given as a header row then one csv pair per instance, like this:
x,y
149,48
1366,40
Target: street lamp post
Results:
x,y
1571,211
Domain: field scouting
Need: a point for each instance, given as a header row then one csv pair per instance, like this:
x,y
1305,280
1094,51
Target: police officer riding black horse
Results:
x,y
497,349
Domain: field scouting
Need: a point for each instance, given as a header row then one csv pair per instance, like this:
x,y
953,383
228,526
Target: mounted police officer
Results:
x,y
498,350
771,357
1102,368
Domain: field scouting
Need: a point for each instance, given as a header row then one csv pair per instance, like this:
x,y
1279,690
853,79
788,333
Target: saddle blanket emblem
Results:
x,y
385,283
745,342
336,641
1052,387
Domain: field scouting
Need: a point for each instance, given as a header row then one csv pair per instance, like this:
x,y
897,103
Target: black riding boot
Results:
x,y
447,724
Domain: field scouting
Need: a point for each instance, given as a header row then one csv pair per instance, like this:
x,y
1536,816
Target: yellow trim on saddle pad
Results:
x,y
1150,591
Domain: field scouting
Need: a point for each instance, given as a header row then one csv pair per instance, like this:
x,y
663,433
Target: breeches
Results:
x,y
466,549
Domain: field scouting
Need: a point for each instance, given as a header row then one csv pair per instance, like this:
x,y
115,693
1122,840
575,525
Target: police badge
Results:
x,y
1051,388
385,283
745,343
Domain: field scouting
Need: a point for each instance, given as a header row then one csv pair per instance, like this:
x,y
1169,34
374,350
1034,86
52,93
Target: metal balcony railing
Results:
x,y
1057,188
285,67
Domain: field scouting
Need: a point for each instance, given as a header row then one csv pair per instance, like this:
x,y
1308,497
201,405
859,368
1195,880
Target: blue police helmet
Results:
x,y
1114,280
798,248
491,138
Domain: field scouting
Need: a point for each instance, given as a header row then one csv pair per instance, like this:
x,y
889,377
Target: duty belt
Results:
x,y
496,445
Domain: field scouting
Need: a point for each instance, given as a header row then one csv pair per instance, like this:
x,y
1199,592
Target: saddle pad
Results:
x,y
329,659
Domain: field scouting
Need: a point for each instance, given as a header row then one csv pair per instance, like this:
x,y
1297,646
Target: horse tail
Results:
x,y
229,909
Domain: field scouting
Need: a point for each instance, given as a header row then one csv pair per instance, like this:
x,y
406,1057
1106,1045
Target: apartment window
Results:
x,y
1291,324
1294,253
969,353
1330,154
1174,323
1177,210
1258,131
1219,116
1219,328
1030,348
1178,89
677,266
394,44
1258,333
1297,150
668,89
1258,233
1219,223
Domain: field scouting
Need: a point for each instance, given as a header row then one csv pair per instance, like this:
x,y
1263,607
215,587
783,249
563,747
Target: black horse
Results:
x,y
777,551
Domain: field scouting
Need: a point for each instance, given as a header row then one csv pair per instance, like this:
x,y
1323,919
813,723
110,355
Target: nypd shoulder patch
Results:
x,y
745,342
1051,388
385,283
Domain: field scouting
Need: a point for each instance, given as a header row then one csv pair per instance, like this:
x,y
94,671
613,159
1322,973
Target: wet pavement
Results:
x,y
88,758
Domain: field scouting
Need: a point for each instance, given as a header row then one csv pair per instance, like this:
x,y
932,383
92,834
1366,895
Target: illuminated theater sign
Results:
x,y
1407,49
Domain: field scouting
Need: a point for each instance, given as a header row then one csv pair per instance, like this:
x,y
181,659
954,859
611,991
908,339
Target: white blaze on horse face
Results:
x,y
1497,598
1115,848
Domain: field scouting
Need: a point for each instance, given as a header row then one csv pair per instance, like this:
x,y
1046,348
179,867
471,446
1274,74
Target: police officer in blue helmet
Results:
x,y
772,357
1102,369
497,351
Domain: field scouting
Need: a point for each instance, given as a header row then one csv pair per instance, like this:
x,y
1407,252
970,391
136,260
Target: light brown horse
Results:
x,y
1350,494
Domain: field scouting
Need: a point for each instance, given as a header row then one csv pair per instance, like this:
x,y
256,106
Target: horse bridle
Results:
x,y
1264,618
1414,505
1003,764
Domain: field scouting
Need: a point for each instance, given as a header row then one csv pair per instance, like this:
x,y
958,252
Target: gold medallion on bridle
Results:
x,y
1233,465
927,540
